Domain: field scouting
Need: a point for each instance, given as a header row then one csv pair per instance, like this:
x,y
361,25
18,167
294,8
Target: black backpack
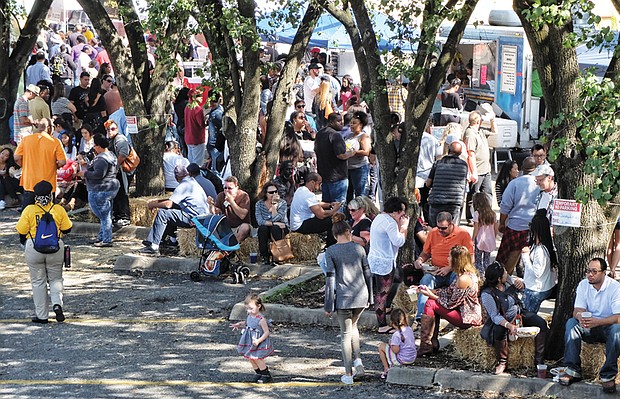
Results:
x,y
46,240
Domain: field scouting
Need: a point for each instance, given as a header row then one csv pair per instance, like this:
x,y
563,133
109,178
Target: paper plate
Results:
x,y
527,332
429,268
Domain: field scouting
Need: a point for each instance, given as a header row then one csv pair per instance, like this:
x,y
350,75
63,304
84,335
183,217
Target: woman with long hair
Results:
x,y
347,90
359,164
323,104
503,307
508,172
348,291
458,303
96,113
540,261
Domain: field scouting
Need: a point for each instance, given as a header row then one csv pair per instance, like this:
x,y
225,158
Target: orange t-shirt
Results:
x,y
439,247
39,152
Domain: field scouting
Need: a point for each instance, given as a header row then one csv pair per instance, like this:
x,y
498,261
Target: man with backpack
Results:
x,y
40,229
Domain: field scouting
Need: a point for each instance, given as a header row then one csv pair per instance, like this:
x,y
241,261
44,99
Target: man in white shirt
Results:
x,y
308,214
545,179
311,86
430,151
595,319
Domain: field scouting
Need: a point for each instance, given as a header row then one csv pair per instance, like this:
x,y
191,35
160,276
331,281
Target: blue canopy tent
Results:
x,y
329,33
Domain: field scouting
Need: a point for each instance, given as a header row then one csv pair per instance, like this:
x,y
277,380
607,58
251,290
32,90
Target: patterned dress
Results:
x,y
252,331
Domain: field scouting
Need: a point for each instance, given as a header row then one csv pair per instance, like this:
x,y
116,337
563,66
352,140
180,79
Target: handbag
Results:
x,y
131,162
281,249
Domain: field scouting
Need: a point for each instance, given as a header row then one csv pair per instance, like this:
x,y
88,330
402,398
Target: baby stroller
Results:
x,y
218,244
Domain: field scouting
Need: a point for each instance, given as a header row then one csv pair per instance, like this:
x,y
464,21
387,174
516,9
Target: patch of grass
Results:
x,y
303,295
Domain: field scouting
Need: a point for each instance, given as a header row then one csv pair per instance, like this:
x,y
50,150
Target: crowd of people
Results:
x,y
327,149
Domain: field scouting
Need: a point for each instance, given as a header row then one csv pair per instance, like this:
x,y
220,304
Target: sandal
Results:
x,y
384,375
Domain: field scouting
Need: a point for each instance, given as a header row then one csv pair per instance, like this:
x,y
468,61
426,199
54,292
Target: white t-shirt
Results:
x,y
300,207
602,303
310,84
170,161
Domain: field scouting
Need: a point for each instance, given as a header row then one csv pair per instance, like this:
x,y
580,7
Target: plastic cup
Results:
x,y
253,257
586,315
542,370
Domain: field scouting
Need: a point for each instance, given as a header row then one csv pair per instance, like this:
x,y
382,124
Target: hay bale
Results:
x,y
469,345
187,243
305,247
140,214
248,245
404,302
592,359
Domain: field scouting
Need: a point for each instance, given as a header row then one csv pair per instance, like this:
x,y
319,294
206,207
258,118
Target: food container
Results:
x,y
527,332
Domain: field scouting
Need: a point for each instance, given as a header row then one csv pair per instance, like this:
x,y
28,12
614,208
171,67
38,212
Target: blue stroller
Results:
x,y
218,244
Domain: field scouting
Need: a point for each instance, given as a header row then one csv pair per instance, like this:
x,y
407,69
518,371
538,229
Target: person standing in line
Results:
x,y
388,232
348,291
485,231
45,268
102,186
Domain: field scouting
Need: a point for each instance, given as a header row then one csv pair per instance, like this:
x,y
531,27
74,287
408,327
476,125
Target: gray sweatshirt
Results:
x,y
101,173
348,281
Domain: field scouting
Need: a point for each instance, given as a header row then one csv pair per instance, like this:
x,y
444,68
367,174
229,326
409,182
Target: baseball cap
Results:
x,y
43,188
33,89
543,170
314,66
193,168
315,50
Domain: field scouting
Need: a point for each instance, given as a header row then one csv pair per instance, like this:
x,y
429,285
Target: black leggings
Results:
x,y
265,233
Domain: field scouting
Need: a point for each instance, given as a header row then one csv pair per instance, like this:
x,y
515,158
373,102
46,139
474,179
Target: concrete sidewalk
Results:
x,y
461,380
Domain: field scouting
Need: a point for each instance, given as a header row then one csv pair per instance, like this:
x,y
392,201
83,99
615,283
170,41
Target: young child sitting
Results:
x,y
401,349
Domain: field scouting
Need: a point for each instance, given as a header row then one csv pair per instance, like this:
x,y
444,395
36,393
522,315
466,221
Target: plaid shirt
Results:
x,y
20,110
397,95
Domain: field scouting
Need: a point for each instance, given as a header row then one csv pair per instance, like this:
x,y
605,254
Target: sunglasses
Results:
x,y
109,81
272,192
228,188
301,106
111,129
443,228
301,117
353,209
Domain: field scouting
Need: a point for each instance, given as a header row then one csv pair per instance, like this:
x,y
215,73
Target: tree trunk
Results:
x,y
558,70
14,59
281,98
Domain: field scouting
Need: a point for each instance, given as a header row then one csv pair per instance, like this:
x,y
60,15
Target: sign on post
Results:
x,y
132,125
566,213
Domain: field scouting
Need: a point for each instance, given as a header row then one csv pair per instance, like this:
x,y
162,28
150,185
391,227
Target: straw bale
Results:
x,y
248,246
305,247
469,345
592,359
187,243
404,302
140,214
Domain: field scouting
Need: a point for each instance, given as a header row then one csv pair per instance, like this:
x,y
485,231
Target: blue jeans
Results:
x,y
335,190
574,334
532,299
196,153
214,154
358,178
166,223
432,282
101,205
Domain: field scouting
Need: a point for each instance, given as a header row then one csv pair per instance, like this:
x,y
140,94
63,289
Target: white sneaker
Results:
x,y
2,205
359,367
346,379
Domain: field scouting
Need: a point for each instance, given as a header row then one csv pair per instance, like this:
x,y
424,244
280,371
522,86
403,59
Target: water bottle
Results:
x,y
67,259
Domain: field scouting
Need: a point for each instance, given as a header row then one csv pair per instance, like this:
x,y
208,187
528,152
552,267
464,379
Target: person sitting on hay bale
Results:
x,y
187,200
595,319
458,303
504,312
235,204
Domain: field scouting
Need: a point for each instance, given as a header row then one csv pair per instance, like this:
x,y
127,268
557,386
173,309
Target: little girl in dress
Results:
x,y
255,344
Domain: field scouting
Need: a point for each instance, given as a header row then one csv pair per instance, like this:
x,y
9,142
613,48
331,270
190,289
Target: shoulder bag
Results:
x,y
281,249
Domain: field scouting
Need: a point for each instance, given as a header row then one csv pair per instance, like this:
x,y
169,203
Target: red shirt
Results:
x,y
194,126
